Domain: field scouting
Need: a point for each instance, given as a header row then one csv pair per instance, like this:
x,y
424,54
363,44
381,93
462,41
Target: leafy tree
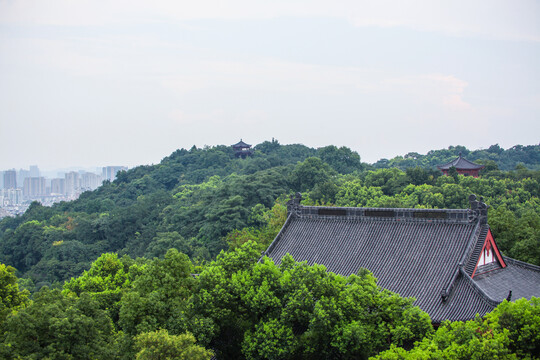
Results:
x,y
165,241
295,310
519,320
269,340
58,327
269,221
452,172
310,172
159,345
158,296
391,181
11,298
510,331
26,247
106,281
419,176
342,160
354,194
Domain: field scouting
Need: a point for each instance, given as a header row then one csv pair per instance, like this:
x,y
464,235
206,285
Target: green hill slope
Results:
x,y
201,201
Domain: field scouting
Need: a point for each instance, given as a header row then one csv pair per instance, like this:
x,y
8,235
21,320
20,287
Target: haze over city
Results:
x,y
95,83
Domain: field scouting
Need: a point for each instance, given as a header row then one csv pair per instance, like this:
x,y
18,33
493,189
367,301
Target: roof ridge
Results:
x,y
460,163
521,263
241,143
278,236
468,259
478,289
378,208
456,216
446,291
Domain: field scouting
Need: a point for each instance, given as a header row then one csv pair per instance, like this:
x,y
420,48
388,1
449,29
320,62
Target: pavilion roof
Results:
x,y
241,144
460,163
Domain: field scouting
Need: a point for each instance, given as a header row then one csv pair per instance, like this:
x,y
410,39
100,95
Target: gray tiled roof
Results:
x,y
460,163
470,263
413,252
521,278
241,144
465,302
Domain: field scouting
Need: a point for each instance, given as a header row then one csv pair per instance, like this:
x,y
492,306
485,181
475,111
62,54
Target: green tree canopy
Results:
x,y
11,298
510,331
59,327
261,310
159,345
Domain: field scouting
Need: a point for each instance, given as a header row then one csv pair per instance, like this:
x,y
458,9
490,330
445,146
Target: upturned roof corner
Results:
x,y
293,205
478,209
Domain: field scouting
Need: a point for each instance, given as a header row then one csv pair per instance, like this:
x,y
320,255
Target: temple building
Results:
x,y
463,167
242,150
447,259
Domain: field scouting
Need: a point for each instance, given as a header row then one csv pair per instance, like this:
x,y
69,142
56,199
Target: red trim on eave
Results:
x,y
489,239
495,248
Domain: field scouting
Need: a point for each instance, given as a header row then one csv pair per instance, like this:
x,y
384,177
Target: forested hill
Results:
x,y
493,157
202,201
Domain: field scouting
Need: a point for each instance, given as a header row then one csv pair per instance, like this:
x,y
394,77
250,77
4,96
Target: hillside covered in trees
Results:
x,y
104,262
494,157
200,201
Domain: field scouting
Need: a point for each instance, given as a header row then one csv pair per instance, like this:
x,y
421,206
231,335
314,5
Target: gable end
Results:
x,y
490,253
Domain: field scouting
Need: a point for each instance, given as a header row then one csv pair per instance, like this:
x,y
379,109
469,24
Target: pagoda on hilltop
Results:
x,y
462,166
242,150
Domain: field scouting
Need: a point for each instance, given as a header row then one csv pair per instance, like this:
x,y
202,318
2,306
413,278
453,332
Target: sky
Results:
x,y
126,82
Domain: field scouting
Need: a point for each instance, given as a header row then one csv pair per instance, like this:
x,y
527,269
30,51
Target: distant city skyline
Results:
x,y
128,86
19,188
35,181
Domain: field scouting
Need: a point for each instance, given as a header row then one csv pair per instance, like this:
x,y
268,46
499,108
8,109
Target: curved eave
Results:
x,y
241,144
460,164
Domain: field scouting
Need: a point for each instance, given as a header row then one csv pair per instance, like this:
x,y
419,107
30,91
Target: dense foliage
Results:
x,y
120,261
242,308
201,201
239,307
494,157
263,311
508,332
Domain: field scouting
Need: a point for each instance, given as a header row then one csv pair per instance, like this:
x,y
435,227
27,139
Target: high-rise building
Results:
x,y
34,187
90,181
10,179
72,183
109,172
34,171
58,186
21,175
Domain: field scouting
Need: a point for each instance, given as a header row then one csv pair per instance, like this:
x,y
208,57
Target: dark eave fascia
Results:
x,y
485,297
521,264
446,291
278,236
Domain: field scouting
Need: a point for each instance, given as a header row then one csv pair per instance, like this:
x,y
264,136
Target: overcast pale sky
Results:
x,y
95,83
